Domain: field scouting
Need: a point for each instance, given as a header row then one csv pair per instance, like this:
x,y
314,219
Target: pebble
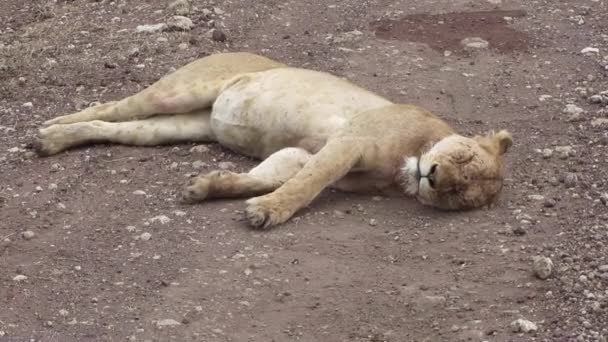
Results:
x,y
199,149
549,203
162,219
603,268
547,153
373,222
226,165
180,23
167,322
536,197
151,28
183,46
56,167
570,180
199,164
519,231
599,122
523,325
590,50
218,35
572,109
28,235
145,236
139,193
475,43
131,229
20,277
339,214
180,7
543,267
27,105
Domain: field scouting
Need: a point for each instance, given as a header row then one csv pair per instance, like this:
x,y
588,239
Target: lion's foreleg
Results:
x,y
157,130
266,177
330,164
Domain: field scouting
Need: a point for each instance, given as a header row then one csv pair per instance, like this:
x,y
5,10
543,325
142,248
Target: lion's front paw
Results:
x,y
267,211
197,190
48,142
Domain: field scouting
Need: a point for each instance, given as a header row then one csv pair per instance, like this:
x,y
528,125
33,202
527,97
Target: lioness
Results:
x,y
312,130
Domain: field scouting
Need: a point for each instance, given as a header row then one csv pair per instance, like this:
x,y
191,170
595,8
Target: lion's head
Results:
x,y
459,172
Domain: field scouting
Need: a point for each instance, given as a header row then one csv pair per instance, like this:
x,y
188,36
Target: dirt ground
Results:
x,y
350,267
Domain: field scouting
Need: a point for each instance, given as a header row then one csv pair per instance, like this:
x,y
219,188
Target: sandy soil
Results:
x,y
349,268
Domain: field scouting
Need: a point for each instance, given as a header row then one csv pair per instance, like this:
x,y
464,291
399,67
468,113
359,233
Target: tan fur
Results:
x,y
312,129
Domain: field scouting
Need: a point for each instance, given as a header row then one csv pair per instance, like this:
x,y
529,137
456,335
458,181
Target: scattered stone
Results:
x,y
20,277
347,36
519,230
218,11
549,203
162,219
28,105
475,43
28,235
199,149
547,153
599,122
565,151
145,236
179,213
139,193
523,325
339,214
56,167
589,50
180,23
543,267
131,229
168,322
536,197
226,166
181,7
218,35
570,180
373,222
572,109
603,268
183,46
199,164
38,188
63,312
151,28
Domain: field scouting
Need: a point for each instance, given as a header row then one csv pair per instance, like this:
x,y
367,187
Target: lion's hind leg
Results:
x,y
158,130
266,177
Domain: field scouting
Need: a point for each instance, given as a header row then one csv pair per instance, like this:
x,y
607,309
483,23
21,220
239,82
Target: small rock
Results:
x,y
475,43
547,153
519,231
63,312
167,322
180,23
180,7
183,46
226,165
590,50
131,229
603,268
373,222
19,277
28,235
543,267
162,219
549,203
536,197
199,164
599,122
139,193
56,167
151,28
339,214
38,188
523,325
572,109
199,149
27,105
570,180
218,11
179,213
218,35
145,236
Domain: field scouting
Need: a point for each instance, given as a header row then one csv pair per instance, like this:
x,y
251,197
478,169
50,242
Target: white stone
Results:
x,y
543,267
139,193
27,105
590,50
523,325
475,43
572,109
20,277
180,23
162,219
28,235
151,28
168,322
145,236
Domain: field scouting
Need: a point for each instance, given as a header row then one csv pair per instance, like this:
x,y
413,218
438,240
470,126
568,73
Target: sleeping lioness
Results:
x,y
311,129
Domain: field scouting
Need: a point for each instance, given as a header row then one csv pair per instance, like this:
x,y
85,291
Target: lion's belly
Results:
x,y
267,111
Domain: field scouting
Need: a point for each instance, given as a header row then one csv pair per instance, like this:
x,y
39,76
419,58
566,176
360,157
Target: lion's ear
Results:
x,y
503,140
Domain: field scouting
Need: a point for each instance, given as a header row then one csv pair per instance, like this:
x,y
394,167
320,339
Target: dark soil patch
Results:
x,y
445,31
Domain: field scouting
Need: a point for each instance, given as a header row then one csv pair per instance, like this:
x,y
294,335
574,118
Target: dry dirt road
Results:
x,y
349,268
